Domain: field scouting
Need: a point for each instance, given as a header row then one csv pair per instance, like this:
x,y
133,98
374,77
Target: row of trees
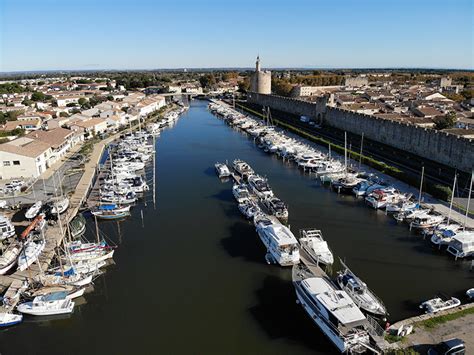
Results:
x,y
11,88
9,116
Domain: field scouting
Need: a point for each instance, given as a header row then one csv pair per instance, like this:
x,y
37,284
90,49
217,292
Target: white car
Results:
x,y
3,204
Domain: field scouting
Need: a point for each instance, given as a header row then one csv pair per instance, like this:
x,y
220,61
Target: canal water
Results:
x,y
190,277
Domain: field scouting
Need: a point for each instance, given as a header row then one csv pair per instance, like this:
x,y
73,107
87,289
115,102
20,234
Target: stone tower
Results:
x,y
261,81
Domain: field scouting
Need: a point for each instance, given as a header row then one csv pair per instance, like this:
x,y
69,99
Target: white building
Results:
x,y
24,158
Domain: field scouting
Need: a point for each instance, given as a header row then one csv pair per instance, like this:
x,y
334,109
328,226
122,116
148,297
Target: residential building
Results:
x,y
24,158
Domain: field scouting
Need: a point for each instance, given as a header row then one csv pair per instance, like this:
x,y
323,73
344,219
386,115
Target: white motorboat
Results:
x,y
281,244
249,209
241,193
7,229
426,221
333,311
444,234
470,293
222,170
359,292
9,319
50,304
276,207
440,303
9,258
242,169
462,246
34,210
60,206
30,254
259,186
312,242
401,206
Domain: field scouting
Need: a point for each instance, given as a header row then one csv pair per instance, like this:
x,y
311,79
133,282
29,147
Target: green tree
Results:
x,y
11,88
82,101
446,121
207,80
281,87
38,96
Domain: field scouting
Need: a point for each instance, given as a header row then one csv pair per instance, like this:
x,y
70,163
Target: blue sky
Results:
x,y
145,34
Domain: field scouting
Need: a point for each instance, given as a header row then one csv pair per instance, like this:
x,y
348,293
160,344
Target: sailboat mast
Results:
x,y
96,228
345,151
361,146
421,184
452,197
468,200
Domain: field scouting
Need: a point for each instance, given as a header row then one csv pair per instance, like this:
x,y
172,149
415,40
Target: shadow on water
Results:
x,y
243,242
224,195
279,316
210,171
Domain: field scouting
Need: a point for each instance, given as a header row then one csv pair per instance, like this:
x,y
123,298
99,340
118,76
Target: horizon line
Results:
x,y
230,68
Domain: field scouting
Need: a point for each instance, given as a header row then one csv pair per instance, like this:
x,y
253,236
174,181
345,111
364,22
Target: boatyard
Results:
x,y
254,292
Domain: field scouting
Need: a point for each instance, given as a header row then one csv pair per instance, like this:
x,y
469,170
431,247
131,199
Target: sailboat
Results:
x,y
359,292
30,254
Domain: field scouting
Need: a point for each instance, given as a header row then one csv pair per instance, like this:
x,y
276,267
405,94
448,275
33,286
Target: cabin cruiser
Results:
x,y
30,254
276,207
7,229
50,304
259,186
281,244
333,311
315,247
462,246
345,184
401,206
241,193
426,221
249,209
359,292
242,169
222,170
440,303
381,197
9,258
34,210
443,236
116,198
330,167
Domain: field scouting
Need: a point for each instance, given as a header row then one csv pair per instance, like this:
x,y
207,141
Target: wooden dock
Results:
x,y
55,233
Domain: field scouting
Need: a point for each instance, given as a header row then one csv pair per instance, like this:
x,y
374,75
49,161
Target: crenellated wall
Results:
x,y
448,149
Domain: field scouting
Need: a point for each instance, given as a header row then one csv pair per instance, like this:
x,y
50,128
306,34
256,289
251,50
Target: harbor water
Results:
x,y
190,277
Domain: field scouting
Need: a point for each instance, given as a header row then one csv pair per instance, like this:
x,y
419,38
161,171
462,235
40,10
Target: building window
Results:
x,y
16,162
6,163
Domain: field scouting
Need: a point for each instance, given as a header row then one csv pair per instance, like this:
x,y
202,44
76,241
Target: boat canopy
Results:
x,y
108,207
55,296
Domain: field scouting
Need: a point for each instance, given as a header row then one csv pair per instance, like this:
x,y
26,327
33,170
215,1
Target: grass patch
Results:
x,y
434,322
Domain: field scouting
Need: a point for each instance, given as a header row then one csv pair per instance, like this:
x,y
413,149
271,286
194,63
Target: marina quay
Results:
x,y
312,167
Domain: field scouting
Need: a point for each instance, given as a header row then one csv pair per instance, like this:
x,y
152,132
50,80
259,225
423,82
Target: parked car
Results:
x,y
452,347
